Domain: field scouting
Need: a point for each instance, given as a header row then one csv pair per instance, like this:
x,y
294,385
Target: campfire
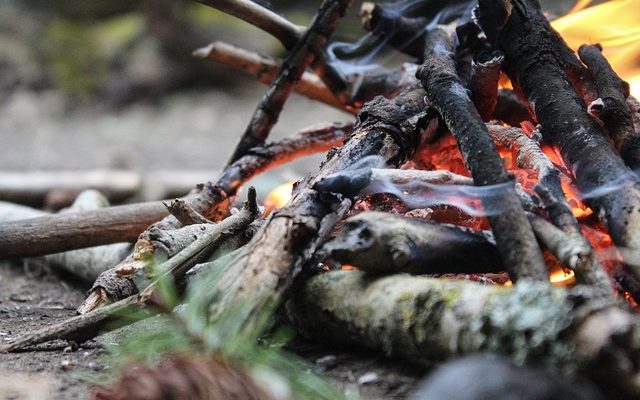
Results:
x,y
486,198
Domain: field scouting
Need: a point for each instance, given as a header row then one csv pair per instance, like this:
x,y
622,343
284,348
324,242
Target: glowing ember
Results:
x,y
613,24
278,197
562,277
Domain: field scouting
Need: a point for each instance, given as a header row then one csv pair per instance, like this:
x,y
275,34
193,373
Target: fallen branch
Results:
x,y
384,243
445,91
90,324
567,330
301,56
35,237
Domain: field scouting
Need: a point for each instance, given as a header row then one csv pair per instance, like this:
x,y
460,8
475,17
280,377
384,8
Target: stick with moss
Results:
x,y
567,330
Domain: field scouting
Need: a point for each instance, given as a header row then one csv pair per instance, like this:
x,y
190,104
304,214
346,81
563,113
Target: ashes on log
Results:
x,y
537,61
446,93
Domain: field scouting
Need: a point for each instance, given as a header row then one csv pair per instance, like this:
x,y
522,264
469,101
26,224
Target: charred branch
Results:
x,y
483,83
445,91
301,56
535,53
532,322
383,243
611,105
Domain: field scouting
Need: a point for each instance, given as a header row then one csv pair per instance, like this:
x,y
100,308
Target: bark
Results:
x,y
264,269
301,56
566,330
32,188
445,91
383,243
35,237
611,106
537,61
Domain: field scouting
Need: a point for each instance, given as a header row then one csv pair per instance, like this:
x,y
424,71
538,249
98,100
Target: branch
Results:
x,y
445,91
35,236
265,69
301,56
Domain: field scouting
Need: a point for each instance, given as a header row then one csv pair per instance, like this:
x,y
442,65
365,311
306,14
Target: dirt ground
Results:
x,y
189,131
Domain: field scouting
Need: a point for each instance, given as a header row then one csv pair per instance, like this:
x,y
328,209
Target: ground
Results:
x,y
192,131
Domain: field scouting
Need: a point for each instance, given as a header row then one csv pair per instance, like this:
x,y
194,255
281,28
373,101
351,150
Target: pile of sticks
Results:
x,y
581,106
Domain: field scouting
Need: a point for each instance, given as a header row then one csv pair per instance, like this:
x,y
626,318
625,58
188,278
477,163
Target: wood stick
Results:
x,y
31,188
611,106
264,269
566,330
184,213
286,32
88,325
445,91
385,243
35,236
535,53
301,56
265,69
510,109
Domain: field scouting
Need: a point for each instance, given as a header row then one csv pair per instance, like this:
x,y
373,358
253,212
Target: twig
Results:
x,y
35,236
264,69
301,56
611,106
286,32
90,324
445,91
185,213
483,83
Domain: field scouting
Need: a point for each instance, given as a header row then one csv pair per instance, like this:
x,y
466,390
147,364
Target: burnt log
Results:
x,y
446,92
483,82
537,60
611,105
510,109
425,319
384,243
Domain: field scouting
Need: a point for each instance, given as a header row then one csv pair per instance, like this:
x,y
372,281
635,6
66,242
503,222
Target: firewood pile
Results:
x,y
484,200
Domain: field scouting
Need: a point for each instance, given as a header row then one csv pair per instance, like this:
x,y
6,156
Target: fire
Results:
x,y
613,24
278,197
562,276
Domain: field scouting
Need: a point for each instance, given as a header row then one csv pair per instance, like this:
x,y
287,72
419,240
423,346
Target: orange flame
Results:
x,y
278,197
613,24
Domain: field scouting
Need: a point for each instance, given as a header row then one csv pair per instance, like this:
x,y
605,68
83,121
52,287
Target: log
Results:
x,y
483,82
445,91
537,61
34,237
300,57
384,243
565,330
262,272
31,188
611,106
510,109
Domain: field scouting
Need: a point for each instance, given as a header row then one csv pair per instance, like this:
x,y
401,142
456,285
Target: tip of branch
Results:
x,y
252,200
203,52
